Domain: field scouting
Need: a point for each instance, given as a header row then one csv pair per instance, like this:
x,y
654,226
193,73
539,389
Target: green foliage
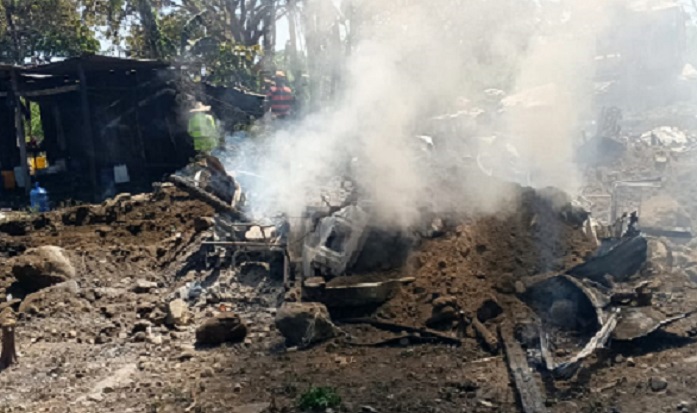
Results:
x,y
319,399
35,128
38,30
231,63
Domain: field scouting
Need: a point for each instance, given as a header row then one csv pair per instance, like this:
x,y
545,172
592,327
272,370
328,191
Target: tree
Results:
x,y
223,41
38,30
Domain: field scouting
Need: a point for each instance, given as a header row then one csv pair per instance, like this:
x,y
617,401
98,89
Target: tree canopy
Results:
x,y
37,30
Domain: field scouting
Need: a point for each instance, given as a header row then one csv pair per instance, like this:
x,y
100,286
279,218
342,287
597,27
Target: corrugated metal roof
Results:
x,y
88,62
95,63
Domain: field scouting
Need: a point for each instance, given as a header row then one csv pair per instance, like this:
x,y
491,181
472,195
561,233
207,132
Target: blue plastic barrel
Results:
x,y
38,197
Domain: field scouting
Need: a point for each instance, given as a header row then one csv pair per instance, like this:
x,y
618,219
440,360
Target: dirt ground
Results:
x,y
85,349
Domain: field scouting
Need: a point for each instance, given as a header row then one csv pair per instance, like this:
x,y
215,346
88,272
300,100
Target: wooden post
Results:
x,y
141,141
8,321
19,129
88,134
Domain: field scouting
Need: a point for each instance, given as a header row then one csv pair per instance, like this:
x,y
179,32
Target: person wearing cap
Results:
x,y
202,128
280,97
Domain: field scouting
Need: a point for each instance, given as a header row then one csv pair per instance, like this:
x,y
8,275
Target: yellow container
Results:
x,y
8,179
41,162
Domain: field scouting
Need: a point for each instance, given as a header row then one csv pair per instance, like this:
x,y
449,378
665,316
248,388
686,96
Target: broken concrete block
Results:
x,y
305,323
177,313
337,242
259,234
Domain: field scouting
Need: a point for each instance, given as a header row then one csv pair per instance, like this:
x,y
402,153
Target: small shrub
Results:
x,y
319,399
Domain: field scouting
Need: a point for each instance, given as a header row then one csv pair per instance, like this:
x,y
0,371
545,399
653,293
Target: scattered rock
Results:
x,y
519,287
177,313
489,309
445,301
657,384
69,286
251,408
42,267
305,323
224,328
143,286
203,223
442,315
186,355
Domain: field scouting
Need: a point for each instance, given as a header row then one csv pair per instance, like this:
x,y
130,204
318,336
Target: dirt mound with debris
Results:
x,y
143,219
486,256
136,234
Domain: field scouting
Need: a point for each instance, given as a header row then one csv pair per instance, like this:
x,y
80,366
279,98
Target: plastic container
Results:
x,y
38,197
41,162
31,163
8,180
19,177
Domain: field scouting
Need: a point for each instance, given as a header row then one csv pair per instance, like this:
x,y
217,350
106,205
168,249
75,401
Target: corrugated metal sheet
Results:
x,y
92,63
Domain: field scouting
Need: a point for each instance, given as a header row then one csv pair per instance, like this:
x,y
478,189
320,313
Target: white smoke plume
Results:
x,y
414,59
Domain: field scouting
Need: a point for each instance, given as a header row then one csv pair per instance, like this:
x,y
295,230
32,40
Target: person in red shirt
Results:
x,y
280,98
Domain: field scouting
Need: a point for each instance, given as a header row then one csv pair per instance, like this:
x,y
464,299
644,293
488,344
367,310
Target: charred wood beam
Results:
x,y
204,196
489,339
397,328
530,396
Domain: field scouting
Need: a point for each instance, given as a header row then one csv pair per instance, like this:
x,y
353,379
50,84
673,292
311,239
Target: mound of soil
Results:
x,y
485,256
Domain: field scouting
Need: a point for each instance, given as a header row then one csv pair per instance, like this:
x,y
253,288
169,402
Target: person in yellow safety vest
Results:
x,y
203,129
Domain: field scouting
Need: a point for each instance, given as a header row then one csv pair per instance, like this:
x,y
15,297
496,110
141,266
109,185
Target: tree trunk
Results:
x,y
9,9
153,37
269,30
8,356
294,65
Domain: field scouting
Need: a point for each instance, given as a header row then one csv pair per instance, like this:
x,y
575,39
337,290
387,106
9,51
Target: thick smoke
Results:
x,y
415,59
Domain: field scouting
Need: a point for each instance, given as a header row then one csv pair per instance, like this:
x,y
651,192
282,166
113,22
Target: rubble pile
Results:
x,y
170,300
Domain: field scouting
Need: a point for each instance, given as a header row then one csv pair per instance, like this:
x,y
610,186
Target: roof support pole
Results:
x,y
87,133
19,130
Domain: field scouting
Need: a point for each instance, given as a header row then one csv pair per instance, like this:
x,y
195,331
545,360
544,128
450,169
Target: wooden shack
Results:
x,y
110,125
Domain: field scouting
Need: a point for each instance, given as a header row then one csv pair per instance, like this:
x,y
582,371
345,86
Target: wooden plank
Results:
x,y
45,92
87,130
530,396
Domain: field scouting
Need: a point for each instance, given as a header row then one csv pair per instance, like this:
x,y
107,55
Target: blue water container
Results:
x,y
38,197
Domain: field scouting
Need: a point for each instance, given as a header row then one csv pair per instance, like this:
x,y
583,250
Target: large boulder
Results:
x,y
225,327
42,267
305,323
